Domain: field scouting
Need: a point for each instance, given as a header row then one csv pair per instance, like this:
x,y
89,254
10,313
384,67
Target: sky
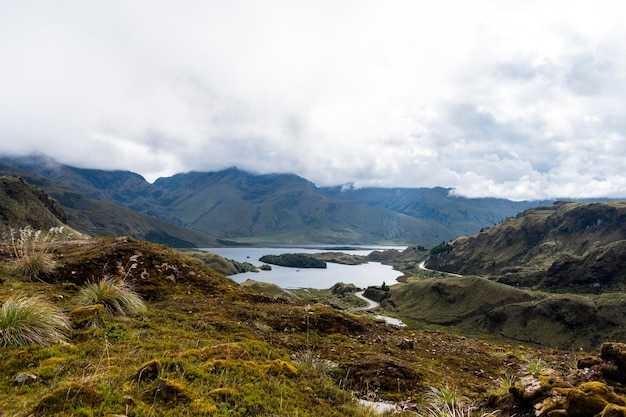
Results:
x,y
518,99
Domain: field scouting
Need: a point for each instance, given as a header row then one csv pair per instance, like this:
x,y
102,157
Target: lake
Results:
x,y
372,273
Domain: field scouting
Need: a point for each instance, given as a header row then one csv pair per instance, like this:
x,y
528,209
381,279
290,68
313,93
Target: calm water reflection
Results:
x,y
372,273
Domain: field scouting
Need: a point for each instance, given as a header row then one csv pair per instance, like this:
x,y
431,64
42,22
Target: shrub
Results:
x,y
313,364
25,321
445,402
30,252
114,294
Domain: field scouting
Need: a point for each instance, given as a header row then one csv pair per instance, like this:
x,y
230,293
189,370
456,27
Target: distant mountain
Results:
x,y
98,218
233,204
465,216
573,246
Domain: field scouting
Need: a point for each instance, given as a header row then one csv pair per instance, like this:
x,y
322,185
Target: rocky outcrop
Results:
x,y
585,392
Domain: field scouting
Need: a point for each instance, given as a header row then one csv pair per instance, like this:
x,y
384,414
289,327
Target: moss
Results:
x,y
67,398
613,410
223,394
279,367
169,391
203,407
87,316
148,371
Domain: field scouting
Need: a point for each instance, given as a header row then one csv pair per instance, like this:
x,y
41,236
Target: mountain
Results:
x,y
465,216
233,204
569,246
99,218
23,205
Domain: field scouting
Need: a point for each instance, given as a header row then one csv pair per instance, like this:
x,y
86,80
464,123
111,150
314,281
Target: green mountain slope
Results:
x,y
566,246
233,204
101,218
23,205
465,216
283,208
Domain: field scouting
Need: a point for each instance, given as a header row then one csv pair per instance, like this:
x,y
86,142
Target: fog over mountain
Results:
x,y
518,100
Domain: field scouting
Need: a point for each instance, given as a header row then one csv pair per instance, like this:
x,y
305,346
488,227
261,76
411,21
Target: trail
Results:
x,y
422,266
372,305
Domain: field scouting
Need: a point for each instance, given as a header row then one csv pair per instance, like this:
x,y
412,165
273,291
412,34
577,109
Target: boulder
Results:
x,y
614,357
24,378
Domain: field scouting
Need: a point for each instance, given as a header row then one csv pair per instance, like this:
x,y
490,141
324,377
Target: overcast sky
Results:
x,y
519,99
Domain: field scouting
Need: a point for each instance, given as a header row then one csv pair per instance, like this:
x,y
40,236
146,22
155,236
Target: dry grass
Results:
x,y
115,294
27,321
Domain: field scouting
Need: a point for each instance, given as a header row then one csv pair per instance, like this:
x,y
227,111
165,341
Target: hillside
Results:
x,y
206,345
130,328
96,217
563,247
465,216
24,205
236,205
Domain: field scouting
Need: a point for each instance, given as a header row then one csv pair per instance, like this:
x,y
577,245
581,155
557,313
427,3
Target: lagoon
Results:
x,y
364,275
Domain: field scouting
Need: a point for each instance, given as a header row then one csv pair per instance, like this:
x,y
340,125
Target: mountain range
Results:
x,y
208,208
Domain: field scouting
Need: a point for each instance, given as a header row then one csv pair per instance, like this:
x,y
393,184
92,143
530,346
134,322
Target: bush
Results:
x,y
114,294
25,321
30,252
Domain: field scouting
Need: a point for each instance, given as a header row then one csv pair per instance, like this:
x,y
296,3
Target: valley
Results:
x,y
526,320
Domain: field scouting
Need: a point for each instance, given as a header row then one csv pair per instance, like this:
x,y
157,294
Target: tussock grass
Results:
x,y
27,321
29,249
314,364
115,294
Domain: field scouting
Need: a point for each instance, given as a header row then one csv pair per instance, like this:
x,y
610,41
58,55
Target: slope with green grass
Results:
x,y
564,247
41,204
207,346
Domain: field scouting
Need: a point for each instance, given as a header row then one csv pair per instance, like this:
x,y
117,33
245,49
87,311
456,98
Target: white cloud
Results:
x,y
518,99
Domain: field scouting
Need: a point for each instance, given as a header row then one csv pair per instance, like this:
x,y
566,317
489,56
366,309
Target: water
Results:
x,y
364,275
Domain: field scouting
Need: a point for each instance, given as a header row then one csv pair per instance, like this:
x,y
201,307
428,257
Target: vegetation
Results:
x,y
236,205
30,251
31,320
206,345
443,247
114,294
295,260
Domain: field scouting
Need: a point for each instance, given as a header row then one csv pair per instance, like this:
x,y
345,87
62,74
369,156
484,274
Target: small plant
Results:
x,y
114,294
312,362
535,366
27,321
30,250
505,383
445,402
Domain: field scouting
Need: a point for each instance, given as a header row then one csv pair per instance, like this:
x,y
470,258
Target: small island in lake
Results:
x,y
295,260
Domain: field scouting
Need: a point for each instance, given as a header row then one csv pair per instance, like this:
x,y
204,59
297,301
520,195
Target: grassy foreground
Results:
x,y
203,345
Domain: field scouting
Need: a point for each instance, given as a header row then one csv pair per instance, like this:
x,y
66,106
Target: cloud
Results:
x,y
513,99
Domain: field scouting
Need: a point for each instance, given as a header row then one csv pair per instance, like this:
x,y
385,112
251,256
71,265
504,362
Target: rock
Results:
x,y
588,362
614,358
613,410
406,344
341,289
24,378
532,387
589,398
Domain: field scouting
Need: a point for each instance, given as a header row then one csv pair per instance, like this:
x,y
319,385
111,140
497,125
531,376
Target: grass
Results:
x,y
313,363
28,321
30,251
535,365
224,350
114,294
